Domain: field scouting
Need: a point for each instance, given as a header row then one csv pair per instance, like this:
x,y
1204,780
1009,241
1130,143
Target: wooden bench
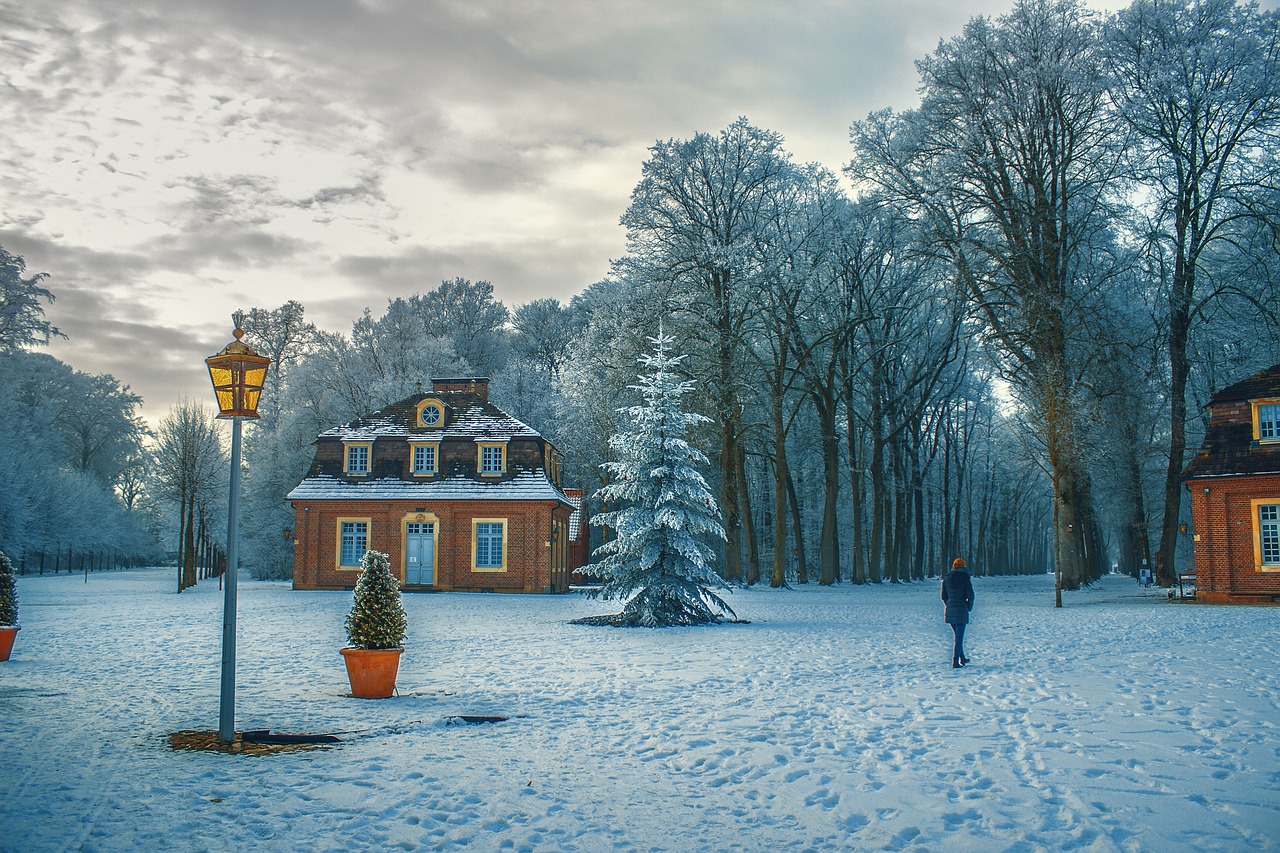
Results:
x,y
1186,579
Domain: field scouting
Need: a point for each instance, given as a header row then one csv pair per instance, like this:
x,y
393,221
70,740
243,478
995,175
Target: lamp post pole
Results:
x,y
238,375
227,702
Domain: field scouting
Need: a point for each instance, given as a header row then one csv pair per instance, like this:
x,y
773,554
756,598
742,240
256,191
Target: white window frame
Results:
x,y
353,448
428,470
355,537
501,448
1266,534
1266,420
501,523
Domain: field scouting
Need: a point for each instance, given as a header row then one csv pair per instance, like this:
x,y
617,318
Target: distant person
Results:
x,y
957,594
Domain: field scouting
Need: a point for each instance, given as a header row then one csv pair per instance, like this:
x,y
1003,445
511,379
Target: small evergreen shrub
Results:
x,y
377,619
8,594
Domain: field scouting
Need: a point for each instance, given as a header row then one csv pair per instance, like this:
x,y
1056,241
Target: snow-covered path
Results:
x,y
832,722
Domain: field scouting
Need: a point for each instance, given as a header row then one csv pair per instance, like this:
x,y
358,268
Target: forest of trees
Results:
x,y
990,334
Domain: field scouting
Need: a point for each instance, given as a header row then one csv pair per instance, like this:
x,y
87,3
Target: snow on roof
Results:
x,y
476,421
526,486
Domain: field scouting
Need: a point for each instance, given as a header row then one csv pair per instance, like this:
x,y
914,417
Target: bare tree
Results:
x,y
1007,163
190,465
693,222
1199,84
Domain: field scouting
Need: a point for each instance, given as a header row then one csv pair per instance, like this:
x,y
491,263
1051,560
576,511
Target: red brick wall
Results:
x,y
1223,523
529,563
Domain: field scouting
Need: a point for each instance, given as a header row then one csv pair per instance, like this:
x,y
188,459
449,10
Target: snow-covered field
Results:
x,y
832,722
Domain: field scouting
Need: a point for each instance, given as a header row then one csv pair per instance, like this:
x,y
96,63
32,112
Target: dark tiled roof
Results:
x,y
1264,384
465,417
1228,448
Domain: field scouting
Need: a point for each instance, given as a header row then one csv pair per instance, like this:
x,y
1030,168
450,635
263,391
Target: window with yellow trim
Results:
x,y
1266,534
425,458
489,545
552,465
1266,420
492,459
430,413
357,457
352,542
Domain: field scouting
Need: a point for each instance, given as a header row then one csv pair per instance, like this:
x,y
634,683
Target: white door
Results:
x,y
420,553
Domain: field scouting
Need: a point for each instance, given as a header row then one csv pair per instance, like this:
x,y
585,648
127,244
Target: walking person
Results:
x,y
957,595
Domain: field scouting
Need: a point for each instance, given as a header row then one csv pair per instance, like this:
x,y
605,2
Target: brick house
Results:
x,y
1234,481
461,495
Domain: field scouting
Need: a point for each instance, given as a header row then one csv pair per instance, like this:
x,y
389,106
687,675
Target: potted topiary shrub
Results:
x,y
376,627
8,607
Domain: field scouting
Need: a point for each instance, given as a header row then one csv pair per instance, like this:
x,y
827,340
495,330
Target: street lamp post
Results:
x,y
238,374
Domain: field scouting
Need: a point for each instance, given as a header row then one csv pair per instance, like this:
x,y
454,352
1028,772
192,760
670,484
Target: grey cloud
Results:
x,y
73,268
223,243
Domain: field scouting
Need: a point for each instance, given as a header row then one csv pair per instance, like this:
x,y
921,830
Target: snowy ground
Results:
x,y
832,722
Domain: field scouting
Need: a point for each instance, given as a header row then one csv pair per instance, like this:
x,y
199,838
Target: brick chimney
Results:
x,y
476,387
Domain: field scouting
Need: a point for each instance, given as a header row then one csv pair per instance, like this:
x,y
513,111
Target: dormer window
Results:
x,y
492,460
552,465
356,461
431,414
1266,420
425,458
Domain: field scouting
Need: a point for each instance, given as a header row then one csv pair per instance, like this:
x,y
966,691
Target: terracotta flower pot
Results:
x,y
6,641
372,672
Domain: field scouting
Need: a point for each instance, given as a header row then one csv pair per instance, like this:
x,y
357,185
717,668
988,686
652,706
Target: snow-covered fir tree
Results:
x,y
8,594
377,619
662,550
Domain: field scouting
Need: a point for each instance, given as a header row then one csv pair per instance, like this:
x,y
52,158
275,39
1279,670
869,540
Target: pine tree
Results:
x,y
8,594
662,550
377,619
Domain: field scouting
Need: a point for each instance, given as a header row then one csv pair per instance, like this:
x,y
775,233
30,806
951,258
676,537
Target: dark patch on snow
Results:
x,y
473,719
266,736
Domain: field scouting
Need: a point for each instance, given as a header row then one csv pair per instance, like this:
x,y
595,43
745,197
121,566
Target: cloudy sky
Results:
x,y
169,161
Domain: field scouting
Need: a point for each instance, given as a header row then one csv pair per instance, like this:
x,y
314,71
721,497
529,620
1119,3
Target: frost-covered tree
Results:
x,y
705,211
1198,82
544,331
190,465
662,548
467,315
377,619
8,594
1010,165
21,314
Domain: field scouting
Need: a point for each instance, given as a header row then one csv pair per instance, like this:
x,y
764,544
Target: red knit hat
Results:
x,y
958,563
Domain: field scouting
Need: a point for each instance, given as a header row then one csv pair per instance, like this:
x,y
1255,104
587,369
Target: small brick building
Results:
x,y
1234,481
461,495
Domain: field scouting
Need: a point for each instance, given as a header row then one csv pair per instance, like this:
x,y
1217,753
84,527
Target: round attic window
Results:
x,y
430,414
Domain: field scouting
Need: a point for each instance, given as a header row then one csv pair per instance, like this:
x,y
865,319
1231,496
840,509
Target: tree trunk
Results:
x,y
182,534
828,544
1179,367
1134,554
730,501
917,493
189,557
797,535
778,577
857,543
748,521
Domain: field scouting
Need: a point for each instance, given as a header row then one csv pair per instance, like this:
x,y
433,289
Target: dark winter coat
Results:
x,y
957,592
